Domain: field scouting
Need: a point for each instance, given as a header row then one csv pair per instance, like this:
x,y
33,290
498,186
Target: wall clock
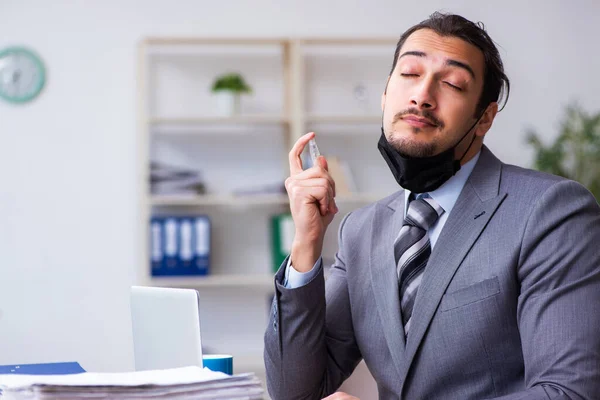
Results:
x,y
22,75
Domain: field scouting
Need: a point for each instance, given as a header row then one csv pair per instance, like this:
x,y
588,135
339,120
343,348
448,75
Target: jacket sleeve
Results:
x,y
310,347
558,309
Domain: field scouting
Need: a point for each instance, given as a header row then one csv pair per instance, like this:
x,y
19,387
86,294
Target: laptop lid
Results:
x,y
166,328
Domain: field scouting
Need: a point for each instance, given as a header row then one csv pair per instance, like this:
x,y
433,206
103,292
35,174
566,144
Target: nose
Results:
x,y
423,97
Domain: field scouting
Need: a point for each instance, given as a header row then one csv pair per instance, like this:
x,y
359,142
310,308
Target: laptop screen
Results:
x,y
166,328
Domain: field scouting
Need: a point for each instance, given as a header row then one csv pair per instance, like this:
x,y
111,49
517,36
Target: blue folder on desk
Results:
x,y
62,368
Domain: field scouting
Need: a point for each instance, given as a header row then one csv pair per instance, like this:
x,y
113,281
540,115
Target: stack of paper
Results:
x,y
168,179
178,383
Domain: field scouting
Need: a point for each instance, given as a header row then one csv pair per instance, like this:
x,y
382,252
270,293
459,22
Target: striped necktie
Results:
x,y
412,250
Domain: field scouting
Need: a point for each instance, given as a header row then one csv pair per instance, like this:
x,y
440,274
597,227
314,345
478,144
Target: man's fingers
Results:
x,y
296,152
324,182
333,208
316,194
323,163
315,173
314,185
315,191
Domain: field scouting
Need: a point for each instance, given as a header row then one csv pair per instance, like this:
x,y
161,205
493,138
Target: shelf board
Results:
x,y
255,281
234,120
249,200
344,119
218,200
195,41
358,41
178,41
263,120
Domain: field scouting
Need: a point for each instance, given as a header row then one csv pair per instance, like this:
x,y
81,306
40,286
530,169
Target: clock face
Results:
x,y
22,75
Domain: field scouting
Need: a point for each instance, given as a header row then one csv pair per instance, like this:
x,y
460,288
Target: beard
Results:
x,y
409,148
406,146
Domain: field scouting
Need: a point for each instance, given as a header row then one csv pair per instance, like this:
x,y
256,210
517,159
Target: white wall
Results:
x,y
67,161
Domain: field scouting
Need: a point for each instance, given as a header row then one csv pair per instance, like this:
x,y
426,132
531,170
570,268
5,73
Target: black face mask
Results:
x,y
423,174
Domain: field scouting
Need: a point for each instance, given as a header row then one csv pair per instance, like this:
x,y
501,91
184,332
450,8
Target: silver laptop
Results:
x,y
166,328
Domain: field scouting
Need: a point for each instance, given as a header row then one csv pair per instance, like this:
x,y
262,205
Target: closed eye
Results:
x,y
409,75
453,86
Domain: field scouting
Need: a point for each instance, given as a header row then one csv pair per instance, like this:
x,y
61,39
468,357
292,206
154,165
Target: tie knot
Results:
x,y
423,213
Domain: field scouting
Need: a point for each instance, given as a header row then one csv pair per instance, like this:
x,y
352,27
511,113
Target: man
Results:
x,y
478,280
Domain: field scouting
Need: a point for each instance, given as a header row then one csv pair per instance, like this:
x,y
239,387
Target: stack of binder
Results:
x,y
180,245
172,384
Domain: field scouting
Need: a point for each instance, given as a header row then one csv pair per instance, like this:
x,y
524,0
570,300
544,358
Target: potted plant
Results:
x,y
575,153
227,89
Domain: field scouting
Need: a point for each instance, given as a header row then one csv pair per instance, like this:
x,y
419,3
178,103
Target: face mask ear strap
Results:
x,y
474,136
383,110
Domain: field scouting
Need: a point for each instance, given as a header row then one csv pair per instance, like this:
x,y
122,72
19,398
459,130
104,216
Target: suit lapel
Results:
x,y
386,224
474,208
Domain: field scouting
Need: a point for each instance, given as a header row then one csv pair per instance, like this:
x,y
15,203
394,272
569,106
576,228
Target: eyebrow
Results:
x,y
450,62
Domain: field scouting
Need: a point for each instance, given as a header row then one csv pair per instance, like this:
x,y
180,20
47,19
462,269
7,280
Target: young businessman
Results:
x,y
476,280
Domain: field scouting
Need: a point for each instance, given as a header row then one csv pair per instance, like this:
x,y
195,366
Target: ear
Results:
x,y
383,96
487,119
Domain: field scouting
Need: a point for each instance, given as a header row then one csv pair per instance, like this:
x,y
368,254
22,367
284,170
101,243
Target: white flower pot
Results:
x,y
228,103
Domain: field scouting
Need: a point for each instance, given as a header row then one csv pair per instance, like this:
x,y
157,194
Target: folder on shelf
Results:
x,y
180,245
156,244
282,236
185,254
170,246
202,245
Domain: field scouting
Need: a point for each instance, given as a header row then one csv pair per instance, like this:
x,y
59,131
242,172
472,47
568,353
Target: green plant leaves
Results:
x,y
575,153
233,82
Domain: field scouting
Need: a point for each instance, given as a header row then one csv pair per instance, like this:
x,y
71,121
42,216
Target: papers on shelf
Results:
x,y
168,179
177,383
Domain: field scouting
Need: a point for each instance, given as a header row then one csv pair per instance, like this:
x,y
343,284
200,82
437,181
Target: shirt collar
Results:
x,y
447,194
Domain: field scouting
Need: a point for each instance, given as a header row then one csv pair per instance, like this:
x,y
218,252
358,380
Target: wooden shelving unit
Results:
x,y
294,92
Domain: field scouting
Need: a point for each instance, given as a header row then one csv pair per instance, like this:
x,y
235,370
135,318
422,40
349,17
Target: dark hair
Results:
x,y
496,85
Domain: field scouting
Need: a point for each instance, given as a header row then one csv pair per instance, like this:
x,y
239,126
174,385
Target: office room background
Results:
x,y
70,176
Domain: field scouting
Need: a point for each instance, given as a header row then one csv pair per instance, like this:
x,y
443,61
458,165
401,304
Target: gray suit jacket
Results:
x,y
509,306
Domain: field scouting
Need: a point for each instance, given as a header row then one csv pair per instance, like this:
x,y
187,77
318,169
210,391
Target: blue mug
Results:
x,y
218,362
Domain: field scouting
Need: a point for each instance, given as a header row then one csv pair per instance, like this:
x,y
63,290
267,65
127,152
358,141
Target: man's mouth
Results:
x,y
418,122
